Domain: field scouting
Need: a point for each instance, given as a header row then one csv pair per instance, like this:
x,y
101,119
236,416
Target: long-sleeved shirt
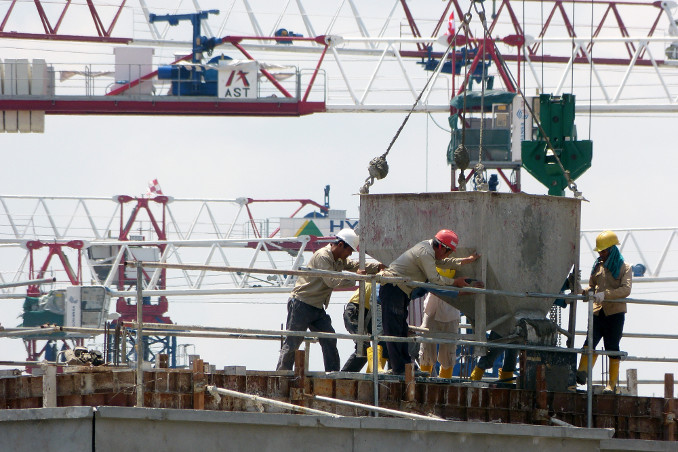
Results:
x,y
603,281
419,264
316,290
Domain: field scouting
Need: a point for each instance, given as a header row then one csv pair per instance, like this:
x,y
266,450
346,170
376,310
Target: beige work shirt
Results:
x,y
603,281
419,264
316,290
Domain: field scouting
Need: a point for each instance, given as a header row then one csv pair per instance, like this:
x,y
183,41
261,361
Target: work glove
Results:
x,y
600,296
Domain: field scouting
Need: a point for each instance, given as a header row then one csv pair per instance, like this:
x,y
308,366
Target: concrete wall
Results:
x,y
141,429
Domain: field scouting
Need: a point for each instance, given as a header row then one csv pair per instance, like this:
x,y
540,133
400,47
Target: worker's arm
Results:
x,y
326,263
456,262
371,268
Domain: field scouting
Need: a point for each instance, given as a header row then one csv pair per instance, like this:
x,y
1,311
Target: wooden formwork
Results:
x,y
631,417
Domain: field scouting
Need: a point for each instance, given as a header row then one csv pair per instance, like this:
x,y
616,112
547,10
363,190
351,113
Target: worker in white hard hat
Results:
x,y
311,296
418,264
610,280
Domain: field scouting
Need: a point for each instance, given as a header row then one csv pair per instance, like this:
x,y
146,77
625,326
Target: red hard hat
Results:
x,y
448,238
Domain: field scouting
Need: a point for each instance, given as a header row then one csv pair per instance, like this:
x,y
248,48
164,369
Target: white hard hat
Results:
x,y
349,236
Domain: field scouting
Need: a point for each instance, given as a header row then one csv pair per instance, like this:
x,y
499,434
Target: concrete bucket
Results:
x,y
529,243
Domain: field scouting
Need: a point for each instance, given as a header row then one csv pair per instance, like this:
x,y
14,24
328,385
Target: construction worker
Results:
x,y
311,296
440,317
610,280
418,264
351,317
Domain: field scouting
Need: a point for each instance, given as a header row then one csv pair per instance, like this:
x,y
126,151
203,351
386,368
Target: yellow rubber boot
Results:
x,y
477,374
583,364
428,369
369,360
446,372
505,375
614,376
381,360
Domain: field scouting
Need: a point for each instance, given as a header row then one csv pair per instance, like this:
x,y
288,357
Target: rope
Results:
x,y
378,166
479,169
461,154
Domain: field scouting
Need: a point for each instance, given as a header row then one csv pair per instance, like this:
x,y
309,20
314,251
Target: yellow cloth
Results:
x,y
355,298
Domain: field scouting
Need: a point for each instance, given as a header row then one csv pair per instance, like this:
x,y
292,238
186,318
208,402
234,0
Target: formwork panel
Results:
x,y
530,243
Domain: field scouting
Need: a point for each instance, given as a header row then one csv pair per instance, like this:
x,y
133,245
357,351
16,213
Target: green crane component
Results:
x,y
556,116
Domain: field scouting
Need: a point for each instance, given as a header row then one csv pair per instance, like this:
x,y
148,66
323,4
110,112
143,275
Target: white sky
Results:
x,y
628,186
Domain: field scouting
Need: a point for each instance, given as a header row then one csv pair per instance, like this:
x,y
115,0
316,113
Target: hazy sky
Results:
x,y
628,186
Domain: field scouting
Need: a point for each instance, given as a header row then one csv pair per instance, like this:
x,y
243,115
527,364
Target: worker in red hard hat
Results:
x,y
311,296
418,264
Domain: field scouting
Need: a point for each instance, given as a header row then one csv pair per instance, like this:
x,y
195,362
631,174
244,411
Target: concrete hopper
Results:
x,y
529,243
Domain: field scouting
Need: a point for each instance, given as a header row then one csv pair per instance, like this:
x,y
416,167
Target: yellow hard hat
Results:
x,y
605,240
446,272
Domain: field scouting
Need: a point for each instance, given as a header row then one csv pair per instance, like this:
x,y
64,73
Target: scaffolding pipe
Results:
x,y
560,423
589,364
374,408
140,340
151,329
30,282
304,271
263,400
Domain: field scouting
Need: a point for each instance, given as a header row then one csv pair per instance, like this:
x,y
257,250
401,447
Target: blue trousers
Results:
x,y
510,356
300,317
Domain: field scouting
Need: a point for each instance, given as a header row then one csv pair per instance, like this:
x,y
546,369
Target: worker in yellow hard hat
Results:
x,y
610,280
439,316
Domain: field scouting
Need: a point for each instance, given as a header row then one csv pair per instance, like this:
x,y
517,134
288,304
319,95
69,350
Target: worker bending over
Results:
x,y
610,280
418,264
351,317
311,296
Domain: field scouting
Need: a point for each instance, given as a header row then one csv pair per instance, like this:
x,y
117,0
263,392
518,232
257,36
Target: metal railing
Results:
x,y
375,336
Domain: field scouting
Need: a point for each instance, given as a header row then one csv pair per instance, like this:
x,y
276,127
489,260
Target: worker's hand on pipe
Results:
x,y
361,271
460,282
478,284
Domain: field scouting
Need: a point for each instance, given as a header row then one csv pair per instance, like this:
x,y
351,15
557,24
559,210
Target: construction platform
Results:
x,y
174,400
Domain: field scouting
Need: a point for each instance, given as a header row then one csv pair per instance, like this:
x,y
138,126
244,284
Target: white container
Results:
x,y
131,63
73,311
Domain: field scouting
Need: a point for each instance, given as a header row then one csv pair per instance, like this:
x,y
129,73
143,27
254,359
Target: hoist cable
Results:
x,y
479,168
590,70
461,155
378,167
570,183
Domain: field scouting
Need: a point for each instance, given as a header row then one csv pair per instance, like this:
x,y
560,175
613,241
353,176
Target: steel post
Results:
x,y
140,339
589,365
